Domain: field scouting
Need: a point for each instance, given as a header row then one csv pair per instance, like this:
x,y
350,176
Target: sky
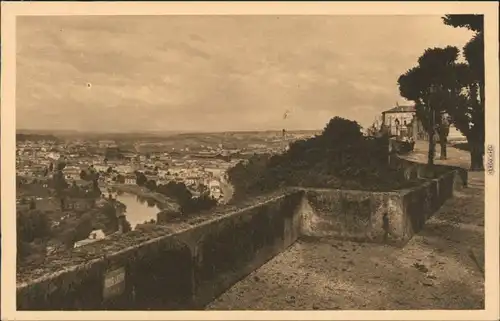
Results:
x,y
215,73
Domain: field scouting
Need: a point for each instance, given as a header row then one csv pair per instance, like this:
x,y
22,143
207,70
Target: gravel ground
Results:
x,y
435,270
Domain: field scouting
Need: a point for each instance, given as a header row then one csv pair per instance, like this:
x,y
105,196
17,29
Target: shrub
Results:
x,y
188,203
32,226
341,157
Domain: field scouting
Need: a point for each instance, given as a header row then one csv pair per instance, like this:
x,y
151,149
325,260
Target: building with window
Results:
x,y
401,121
94,236
130,179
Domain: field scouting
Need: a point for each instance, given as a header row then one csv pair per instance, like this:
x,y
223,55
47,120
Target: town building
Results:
x,y
77,204
122,168
130,180
72,172
100,167
94,236
402,121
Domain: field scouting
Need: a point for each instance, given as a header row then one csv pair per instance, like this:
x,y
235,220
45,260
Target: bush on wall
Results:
x,y
341,157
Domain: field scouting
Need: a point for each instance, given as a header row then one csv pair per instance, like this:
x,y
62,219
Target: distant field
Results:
x,y
229,140
159,136
168,141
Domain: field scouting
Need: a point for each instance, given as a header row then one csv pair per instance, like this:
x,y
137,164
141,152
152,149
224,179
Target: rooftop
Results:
x,y
400,109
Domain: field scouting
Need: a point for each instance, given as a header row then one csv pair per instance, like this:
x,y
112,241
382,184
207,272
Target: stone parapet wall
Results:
x,y
381,217
187,265
184,270
349,215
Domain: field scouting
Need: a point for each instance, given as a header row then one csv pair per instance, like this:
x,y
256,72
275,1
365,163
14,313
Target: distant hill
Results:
x,y
89,135
35,137
152,142
228,140
153,135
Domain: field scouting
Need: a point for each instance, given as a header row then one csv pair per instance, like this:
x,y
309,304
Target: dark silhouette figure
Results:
x,y
32,204
385,226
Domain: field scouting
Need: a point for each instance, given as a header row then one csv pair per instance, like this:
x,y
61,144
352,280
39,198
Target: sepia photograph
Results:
x,y
239,161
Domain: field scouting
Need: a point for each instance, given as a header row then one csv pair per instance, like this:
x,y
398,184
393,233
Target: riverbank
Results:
x,y
162,201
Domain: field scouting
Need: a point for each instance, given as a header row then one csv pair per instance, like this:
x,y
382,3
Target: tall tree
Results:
x,y
469,111
436,86
151,185
141,179
443,130
61,164
415,85
120,179
439,64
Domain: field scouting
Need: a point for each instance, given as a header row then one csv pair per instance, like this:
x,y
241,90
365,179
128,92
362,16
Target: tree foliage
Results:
x,y
341,157
468,112
59,182
151,185
120,179
198,204
474,22
176,190
458,87
61,164
189,204
141,179
83,227
32,226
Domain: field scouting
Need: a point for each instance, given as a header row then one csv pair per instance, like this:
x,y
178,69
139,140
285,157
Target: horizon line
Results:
x,y
160,131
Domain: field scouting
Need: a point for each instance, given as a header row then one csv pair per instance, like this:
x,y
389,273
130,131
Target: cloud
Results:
x,y
215,72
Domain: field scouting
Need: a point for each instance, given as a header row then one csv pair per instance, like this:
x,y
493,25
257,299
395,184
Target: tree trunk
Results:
x,y
482,93
443,149
476,156
443,140
432,148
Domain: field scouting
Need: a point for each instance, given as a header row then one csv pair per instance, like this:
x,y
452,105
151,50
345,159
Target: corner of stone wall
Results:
x,y
460,179
397,225
306,215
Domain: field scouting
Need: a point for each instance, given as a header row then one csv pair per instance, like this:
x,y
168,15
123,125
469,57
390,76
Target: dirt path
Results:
x,y
433,271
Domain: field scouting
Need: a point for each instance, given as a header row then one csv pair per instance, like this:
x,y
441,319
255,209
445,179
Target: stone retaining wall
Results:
x,y
190,268
184,270
413,169
382,217
349,215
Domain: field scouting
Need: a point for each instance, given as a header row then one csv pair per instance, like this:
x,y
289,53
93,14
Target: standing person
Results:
x,y
410,128
404,130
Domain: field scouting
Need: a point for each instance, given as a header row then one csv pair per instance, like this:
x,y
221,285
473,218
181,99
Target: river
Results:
x,y
139,209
